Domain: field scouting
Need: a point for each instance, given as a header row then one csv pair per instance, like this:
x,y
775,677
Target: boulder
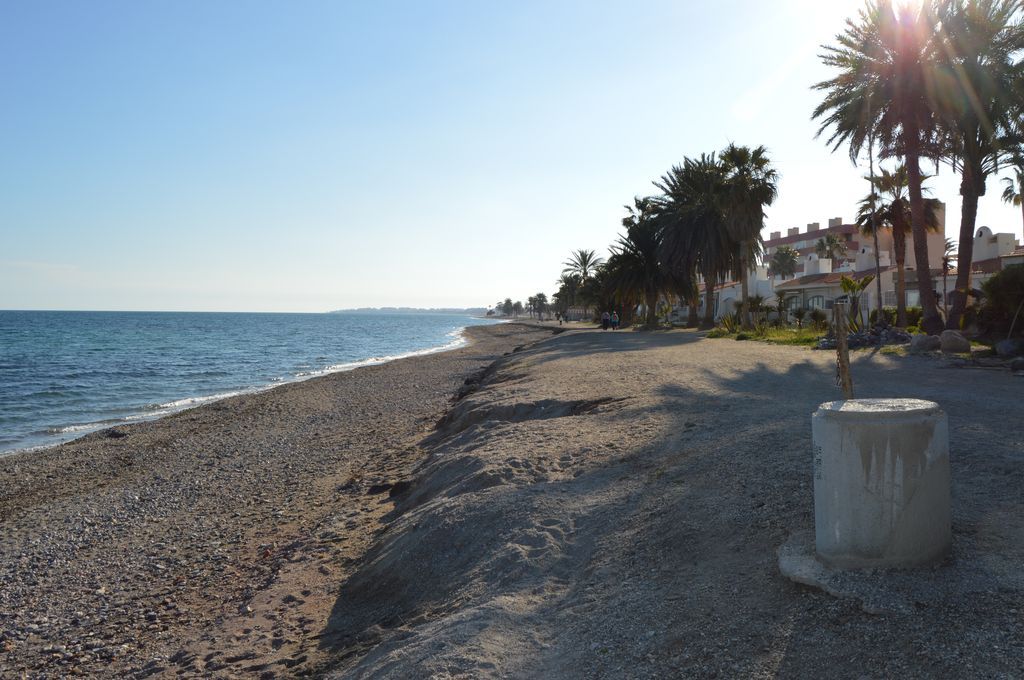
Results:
x,y
954,342
1008,349
924,343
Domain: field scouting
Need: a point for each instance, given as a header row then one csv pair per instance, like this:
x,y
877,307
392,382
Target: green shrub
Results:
x,y
1004,293
914,315
718,333
888,312
913,329
818,318
743,336
799,315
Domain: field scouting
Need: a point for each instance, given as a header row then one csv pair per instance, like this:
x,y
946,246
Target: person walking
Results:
x,y
615,320
606,319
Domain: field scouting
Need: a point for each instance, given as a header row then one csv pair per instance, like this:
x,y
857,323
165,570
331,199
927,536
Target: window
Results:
x,y
816,302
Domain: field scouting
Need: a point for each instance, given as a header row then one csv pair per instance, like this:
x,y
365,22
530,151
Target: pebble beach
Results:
x,y
581,504
212,541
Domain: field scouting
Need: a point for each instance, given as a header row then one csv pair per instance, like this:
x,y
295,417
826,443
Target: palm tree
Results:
x,y
854,289
870,222
568,289
752,186
979,107
517,308
888,77
507,307
695,236
781,305
756,306
1013,191
540,302
948,258
831,247
893,212
582,263
783,261
634,267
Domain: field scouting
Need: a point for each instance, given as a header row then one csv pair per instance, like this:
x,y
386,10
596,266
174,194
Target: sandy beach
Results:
x,y
594,505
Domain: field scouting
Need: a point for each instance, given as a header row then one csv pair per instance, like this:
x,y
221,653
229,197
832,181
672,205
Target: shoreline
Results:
x,y
237,515
593,505
79,430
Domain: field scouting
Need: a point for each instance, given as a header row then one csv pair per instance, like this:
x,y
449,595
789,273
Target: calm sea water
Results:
x,y
63,374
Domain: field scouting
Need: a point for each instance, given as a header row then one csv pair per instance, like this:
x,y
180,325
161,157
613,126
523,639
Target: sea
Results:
x,y
65,374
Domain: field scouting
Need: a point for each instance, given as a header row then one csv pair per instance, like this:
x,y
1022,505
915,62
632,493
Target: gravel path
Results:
x,y
211,542
609,505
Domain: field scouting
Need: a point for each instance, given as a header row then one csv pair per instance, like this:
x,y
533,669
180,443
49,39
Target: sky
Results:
x,y
308,156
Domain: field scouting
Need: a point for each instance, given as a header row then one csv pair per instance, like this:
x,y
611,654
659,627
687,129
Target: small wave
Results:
x,y
458,339
78,427
188,402
157,410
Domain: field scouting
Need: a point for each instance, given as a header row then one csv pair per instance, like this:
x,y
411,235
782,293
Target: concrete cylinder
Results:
x,y
881,483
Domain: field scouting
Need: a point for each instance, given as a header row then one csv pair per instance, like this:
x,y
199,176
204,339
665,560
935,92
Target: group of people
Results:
x,y
609,321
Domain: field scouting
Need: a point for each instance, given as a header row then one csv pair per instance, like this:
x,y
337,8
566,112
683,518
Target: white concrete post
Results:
x,y
881,482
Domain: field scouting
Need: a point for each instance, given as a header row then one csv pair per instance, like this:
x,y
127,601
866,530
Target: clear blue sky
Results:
x,y
305,156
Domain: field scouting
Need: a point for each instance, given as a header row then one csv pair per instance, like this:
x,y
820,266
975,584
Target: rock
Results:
x,y
1010,348
924,343
954,342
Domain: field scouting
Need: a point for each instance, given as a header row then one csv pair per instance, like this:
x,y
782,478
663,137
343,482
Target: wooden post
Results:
x,y
842,327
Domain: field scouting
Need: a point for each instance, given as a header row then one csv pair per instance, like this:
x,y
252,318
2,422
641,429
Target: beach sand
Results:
x,y
595,505
214,540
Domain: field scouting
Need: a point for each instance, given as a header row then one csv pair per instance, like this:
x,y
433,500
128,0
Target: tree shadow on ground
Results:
x,y
696,518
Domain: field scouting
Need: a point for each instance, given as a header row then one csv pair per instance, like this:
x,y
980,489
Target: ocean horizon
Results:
x,y
64,374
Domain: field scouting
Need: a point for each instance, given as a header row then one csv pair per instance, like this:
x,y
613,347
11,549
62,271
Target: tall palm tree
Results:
x,y
569,288
870,222
888,76
752,186
1013,189
635,267
894,212
979,108
948,258
582,263
695,235
831,247
783,261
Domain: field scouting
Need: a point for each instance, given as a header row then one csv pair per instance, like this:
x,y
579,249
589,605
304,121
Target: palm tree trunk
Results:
x,y
945,286
931,322
965,251
709,302
899,245
652,309
744,290
874,229
692,317
879,318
